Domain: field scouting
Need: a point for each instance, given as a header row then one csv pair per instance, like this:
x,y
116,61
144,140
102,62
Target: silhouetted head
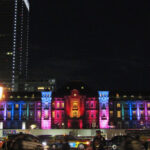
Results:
x,y
98,132
132,144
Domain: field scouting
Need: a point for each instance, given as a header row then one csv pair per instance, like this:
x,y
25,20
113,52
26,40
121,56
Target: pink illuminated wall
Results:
x,y
103,109
46,110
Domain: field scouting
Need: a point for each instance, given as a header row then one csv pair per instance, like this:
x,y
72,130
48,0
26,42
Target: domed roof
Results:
x,y
78,85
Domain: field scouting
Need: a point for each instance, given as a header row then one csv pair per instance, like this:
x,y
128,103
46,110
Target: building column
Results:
x,y
103,109
46,99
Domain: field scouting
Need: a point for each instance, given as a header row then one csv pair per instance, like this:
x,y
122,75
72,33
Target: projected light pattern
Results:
x,y
46,110
103,109
74,111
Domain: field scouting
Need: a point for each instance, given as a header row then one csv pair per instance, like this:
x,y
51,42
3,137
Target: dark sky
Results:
x,y
105,44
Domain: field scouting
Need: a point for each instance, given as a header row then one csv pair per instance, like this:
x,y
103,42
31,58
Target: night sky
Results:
x,y
104,44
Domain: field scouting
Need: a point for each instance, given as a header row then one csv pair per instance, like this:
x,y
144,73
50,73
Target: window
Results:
x,y
92,105
8,115
126,113
24,106
92,115
111,105
75,105
62,114
9,106
111,113
1,116
75,113
53,105
87,114
58,104
53,114
31,114
134,114
118,105
117,95
39,114
46,115
62,105
142,113
133,105
46,105
31,106
87,104
24,113
2,106
141,106
126,106
103,107
148,105
57,115
16,115
104,117
118,114
38,105
16,106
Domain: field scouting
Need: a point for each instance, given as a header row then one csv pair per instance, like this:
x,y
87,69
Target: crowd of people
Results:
x,y
98,143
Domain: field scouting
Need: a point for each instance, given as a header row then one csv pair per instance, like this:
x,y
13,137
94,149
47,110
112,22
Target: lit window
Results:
x,y
118,105
16,106
39,114
124,96
111,113
118,114
82,87
53,114
134,113
74,94
75,105
58,105
148,105
8,114
117,95
142,113
62,105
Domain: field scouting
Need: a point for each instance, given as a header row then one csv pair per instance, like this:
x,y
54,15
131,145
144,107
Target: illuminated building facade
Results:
x,y
74,108
14,44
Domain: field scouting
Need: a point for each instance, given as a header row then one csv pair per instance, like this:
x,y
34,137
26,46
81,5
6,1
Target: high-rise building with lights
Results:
x,y
14,33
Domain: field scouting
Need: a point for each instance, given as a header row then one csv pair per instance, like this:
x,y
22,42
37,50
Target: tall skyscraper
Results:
x,y
14,33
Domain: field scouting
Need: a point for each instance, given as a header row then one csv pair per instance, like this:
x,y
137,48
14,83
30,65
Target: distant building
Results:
x,y
14,32
33,86
75,106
